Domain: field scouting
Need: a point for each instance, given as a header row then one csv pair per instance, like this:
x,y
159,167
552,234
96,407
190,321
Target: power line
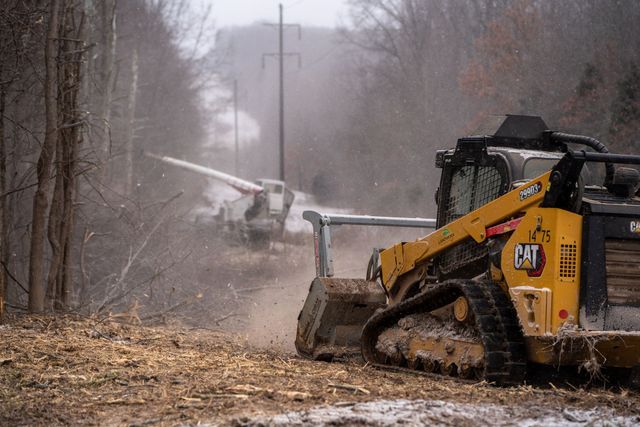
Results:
x,y
294,4
313,63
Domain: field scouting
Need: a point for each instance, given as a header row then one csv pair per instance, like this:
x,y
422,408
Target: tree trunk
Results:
x,y
55,221
66,274
3,204
108,74
37,286
133,89
60,229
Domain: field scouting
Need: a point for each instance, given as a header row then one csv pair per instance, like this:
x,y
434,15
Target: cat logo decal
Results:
x,y
530,257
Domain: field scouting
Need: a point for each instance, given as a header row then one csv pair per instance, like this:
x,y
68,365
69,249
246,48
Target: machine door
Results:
x,y
465,187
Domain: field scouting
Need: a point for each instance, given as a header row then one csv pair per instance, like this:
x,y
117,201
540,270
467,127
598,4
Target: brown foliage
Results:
x,y
505,56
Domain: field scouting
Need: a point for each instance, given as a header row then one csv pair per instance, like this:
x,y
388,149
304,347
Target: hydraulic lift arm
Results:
x,y
403,257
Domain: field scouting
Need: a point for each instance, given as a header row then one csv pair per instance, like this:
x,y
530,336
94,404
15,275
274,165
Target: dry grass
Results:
x,y
69,370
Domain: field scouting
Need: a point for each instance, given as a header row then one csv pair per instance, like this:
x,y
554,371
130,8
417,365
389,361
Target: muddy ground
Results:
x,y
91,371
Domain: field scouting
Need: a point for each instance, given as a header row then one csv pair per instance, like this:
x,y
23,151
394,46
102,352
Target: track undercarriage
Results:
x,y
433,344
457,328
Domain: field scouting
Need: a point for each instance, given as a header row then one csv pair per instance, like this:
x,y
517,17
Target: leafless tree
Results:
x,y
37,284
75,109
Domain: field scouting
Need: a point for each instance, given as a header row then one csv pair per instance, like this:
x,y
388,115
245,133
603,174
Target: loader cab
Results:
x,y
477,172
508,150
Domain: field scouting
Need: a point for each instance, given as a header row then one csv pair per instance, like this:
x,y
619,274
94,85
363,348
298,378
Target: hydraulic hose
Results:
x,y
589,142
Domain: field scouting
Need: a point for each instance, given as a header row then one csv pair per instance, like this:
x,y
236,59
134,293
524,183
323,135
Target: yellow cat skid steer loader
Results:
x,y
535,258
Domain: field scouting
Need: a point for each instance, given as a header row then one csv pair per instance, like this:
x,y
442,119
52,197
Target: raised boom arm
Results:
x,y
245,187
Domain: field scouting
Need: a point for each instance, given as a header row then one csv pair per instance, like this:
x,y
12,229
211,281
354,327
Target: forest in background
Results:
x,y
373,101
88,223
85,88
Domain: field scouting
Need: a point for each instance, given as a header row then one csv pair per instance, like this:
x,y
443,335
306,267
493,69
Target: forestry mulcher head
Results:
x,y
331,321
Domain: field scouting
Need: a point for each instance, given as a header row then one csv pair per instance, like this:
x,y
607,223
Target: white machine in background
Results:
x,y
258,215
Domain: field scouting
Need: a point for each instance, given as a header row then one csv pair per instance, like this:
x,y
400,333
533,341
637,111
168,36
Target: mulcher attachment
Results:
x,y
331,320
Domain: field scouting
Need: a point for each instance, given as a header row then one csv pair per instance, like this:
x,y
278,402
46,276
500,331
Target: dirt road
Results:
x,y
92,372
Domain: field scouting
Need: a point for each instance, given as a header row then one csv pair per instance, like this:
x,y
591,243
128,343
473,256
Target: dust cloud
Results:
x,y
273,314
284,283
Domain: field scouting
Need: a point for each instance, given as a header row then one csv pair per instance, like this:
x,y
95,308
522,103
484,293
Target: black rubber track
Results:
x,y
494,315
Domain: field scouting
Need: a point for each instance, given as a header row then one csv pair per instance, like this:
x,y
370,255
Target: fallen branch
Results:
x,y
169,310
354,388
257,288
12,277
16,307
225,317
151,278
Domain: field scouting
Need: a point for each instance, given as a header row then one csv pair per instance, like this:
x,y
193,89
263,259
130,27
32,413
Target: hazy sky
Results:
x,y
324,13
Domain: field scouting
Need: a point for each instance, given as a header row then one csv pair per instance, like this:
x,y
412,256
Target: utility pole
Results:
x,y
280,55
281,64
235,124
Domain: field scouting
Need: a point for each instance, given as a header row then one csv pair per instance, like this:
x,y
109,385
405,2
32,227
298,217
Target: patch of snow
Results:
x,y
437,412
